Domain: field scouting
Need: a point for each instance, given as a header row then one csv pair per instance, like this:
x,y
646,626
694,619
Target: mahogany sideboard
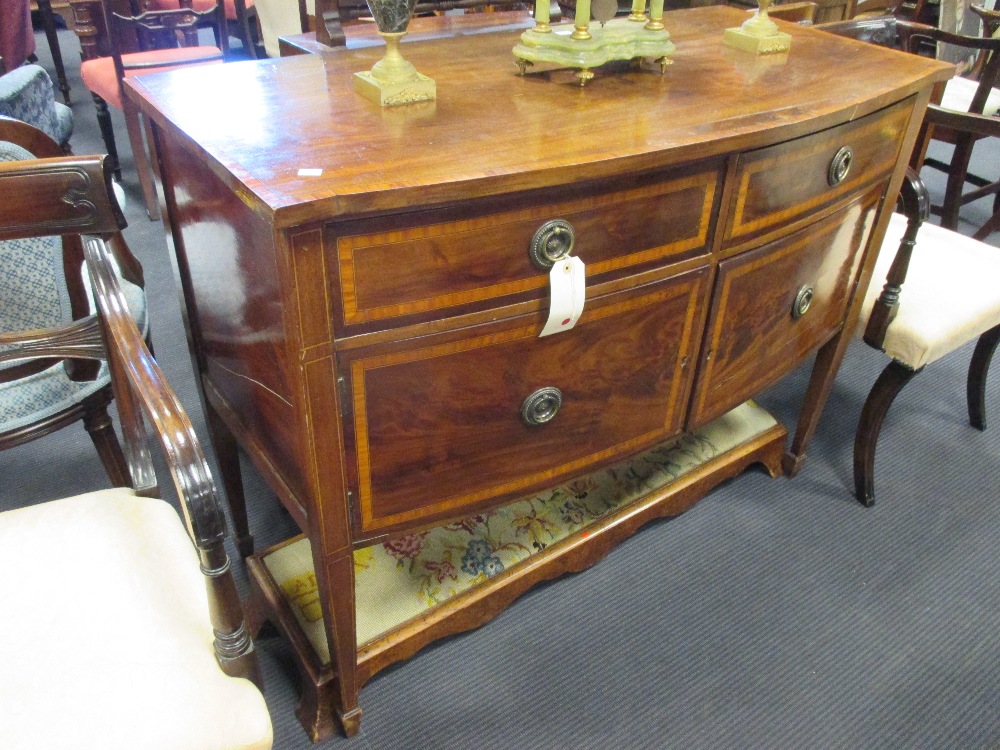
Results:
x,y
364,311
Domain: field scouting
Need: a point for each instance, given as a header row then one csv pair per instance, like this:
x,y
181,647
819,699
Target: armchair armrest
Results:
x,y
139,385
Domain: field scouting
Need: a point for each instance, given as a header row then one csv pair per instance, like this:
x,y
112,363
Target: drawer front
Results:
x,y
775,305
405,273
777,185
438,428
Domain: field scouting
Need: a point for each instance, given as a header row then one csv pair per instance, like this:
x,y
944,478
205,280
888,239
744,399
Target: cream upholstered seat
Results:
x,y
950,297
107,637
122,626
959,92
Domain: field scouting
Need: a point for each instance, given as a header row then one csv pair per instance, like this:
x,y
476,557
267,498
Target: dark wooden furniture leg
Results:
x,y
133,123
979,368
99,426
49,22
883,393
338,575
824,371
108,134
227,454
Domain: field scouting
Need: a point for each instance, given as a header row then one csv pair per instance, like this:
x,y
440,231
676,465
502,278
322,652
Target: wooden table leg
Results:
x,y
824,372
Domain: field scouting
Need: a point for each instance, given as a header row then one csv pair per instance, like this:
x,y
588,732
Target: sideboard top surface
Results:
x,y
257,124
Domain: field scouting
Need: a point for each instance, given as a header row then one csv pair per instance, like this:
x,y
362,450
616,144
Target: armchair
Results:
x,y
110,640
42,285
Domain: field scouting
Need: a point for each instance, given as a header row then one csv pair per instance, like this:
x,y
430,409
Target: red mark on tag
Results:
x,y
566,322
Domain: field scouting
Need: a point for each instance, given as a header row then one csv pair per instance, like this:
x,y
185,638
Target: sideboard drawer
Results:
x,y
398,271
774,305
782,183
438,427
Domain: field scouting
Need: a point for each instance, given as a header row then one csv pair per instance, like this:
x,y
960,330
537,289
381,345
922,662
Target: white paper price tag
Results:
x,y
567,293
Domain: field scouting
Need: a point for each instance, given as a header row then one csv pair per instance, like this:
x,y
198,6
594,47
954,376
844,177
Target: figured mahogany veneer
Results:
x,y
367,329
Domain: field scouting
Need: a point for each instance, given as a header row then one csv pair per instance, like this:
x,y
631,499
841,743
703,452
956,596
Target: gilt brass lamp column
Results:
x,y
393,80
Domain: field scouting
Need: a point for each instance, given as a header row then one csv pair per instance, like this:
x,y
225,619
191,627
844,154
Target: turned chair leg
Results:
x,y
885,390
99,426
979,368
108,133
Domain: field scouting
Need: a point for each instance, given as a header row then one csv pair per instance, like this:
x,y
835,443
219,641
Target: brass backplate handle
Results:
x,y
803,299
541,406
840,165
551,243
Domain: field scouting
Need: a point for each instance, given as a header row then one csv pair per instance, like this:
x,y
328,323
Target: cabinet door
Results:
x,y
438,429
775,305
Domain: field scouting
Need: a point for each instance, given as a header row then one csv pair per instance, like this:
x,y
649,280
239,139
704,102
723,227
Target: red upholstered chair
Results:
x,y
164,40
241,15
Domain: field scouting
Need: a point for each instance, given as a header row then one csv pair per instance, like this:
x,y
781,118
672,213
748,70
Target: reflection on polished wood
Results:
x,y
363,307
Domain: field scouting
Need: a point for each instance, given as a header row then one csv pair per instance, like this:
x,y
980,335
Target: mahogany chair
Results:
x,y
43,285
241,15
958,119
164,40
122,625
950,297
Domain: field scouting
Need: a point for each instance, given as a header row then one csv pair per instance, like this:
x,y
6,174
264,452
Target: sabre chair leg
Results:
x,y
883,393
979,369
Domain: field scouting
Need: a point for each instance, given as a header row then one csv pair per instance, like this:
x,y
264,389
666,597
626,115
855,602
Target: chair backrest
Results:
x,y
163,30
44,282
985,68
915,203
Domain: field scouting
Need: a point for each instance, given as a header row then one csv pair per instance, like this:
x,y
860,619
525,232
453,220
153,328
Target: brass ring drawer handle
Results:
x,y
541,406
840,165
551,243
803,299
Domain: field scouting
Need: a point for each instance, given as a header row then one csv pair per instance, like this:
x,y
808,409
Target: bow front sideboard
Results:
x,y
364,306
